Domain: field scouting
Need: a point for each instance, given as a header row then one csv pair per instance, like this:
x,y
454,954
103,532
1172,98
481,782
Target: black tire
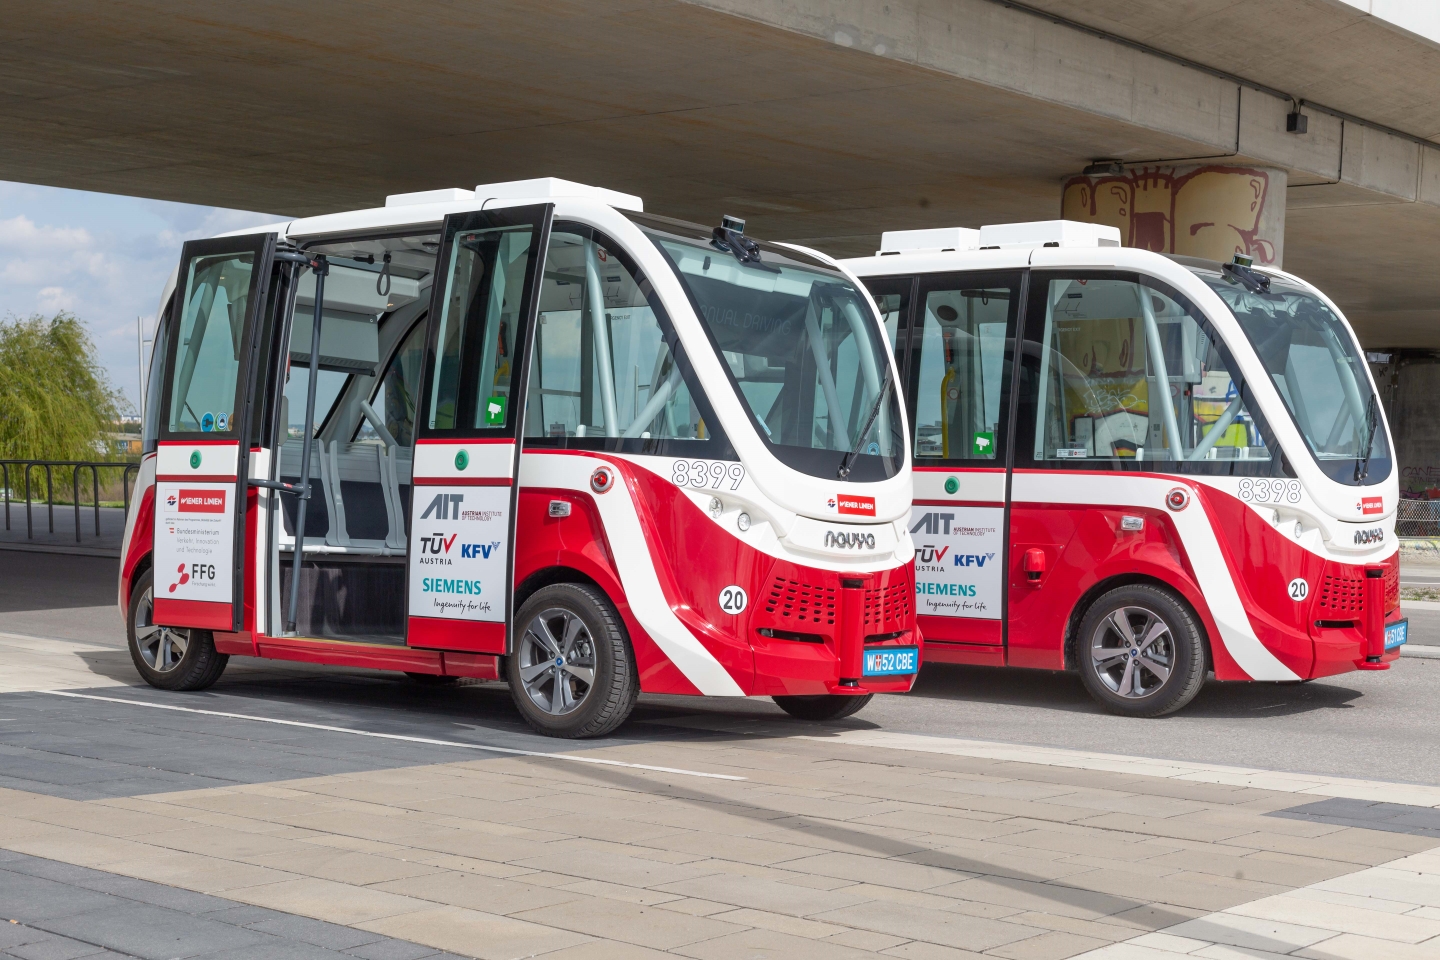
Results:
x,y
826,706
199,664
599,647
432,679
1157,661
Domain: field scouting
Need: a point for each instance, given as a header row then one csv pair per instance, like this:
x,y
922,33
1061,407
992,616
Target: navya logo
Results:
x,y
478,551
934,523
1373,535
445,506
973,559
850,541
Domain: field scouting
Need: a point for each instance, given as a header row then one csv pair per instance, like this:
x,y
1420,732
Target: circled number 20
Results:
x,y
706,474
733,599
1298,589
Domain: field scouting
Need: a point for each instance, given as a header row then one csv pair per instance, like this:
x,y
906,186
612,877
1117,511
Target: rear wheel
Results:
x,y
572,673
1141,652
169,657
826,706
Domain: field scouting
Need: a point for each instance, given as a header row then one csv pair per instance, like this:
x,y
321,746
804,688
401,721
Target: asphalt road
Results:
x,y
1375,725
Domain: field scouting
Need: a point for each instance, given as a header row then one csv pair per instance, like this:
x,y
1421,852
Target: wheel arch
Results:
x,y
1104,586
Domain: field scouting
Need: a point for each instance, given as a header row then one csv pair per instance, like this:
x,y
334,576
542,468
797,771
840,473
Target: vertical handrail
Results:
x,y
5,468
50,494
321,267
75,484
95,493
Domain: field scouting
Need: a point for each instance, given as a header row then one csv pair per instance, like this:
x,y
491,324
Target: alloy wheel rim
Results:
x,y
1133,652
557,661
162,648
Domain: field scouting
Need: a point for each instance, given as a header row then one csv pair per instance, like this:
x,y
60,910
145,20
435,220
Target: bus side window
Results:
x,y
207,363
155,382
960,367
1128,373
398,389
592,305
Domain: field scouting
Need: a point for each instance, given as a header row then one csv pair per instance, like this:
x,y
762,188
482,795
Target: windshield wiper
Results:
x,y
1362,463
865,430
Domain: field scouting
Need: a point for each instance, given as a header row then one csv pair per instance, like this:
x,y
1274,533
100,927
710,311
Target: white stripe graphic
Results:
x,y
635,567
1196,535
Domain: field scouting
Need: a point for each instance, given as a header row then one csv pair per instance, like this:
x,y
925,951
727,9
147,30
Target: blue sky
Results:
x,y
100,256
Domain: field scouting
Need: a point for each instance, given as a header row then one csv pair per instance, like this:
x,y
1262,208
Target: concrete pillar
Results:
x,y
1211,210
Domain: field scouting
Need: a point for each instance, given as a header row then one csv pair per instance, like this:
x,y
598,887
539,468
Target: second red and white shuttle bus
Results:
x,y
1143,468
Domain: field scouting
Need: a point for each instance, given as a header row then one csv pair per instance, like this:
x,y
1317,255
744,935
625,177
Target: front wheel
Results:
x,y
826,706
169,657
572,673
1141,652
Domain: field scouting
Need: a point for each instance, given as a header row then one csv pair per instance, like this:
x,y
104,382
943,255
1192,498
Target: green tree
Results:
x,y
55,400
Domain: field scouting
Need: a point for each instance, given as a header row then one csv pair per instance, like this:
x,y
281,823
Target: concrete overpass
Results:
x,y
823,121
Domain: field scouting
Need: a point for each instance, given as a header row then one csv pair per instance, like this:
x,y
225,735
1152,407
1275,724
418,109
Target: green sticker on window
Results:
x,y
194,459
983,445
952,485
495,412
462,460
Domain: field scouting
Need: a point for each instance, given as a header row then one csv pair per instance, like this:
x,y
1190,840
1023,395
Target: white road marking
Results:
x,y
397,736
1317,785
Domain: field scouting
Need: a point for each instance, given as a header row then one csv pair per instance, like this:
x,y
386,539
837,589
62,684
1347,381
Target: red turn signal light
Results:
x,y
1034,564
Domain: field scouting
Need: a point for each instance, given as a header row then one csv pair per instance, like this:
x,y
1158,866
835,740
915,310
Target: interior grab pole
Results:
x,y
321,266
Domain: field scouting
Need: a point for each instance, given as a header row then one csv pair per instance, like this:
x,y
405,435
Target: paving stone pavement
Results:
x,y
209,835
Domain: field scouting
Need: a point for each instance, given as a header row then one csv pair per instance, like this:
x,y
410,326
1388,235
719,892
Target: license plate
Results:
x,y
891,661
1396,633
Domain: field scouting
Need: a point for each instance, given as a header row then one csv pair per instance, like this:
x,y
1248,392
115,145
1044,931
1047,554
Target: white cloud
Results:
x,y
55,299
102,257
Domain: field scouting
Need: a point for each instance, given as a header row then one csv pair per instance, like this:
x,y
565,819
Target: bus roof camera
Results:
x,y
937,240
553,188
736,224
448,195
1047,233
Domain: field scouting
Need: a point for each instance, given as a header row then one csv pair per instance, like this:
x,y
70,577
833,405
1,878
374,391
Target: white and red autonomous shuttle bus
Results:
x,y
1139,467
547,437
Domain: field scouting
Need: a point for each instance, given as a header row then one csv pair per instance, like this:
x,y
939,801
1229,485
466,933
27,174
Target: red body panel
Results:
x,y
677,534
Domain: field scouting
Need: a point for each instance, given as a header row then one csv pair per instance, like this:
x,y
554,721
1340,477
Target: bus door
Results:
x,y
461,543
206,424
961,359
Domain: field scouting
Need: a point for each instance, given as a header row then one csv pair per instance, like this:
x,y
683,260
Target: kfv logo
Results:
x,y
478,551
445,506
934,523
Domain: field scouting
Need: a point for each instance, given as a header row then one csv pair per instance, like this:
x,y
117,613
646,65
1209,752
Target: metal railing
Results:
x,y
26,469
1418,518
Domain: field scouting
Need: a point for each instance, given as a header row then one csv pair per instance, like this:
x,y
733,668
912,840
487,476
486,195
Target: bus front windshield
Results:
x,y
1312,359
803,348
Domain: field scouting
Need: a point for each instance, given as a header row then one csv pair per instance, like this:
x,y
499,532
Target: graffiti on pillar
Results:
x,y
1208,211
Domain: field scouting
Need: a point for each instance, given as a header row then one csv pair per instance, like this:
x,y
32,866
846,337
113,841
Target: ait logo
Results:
x,y
184,577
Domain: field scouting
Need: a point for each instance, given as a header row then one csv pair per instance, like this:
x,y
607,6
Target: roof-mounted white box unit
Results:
x,y
1047,233
549,188
938,240
448,195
